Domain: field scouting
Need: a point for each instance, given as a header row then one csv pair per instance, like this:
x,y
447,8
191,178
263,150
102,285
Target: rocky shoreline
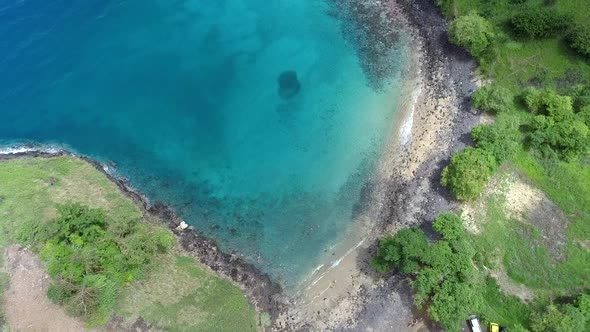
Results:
x,y
416,198
448,82
355,298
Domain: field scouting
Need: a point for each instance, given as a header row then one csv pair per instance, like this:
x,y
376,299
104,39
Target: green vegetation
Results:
x,y
538,22
443,278
472,32
90,258
179,305
550,120
556,132
101,250
568,317
537,53
567,185
526,257
449,276
501,139
468,173
579,38
493,99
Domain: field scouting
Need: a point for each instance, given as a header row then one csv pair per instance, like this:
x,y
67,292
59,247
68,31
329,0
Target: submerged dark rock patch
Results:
x,y
289,84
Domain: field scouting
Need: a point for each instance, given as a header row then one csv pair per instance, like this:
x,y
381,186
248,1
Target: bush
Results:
x,y
502,140
567,317
452,302
579,39
538,22
472,32
532,99
492,99
584,115
567,139
581,97
446,7
468,173
90,257
556,131
402,250
441,271
549,103
449,226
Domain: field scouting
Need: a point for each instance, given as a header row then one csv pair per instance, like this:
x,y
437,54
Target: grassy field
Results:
x,y
515,62
516,247
175,294
502,309
178,305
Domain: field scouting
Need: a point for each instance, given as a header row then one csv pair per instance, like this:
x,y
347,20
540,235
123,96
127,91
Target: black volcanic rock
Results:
x,y
289,85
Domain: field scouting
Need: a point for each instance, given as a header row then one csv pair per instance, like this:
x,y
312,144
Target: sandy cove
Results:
x,y
346,294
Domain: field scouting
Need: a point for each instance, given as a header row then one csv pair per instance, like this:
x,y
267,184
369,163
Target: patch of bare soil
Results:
x,y
474,213
25,304
531,206
510,287
524,203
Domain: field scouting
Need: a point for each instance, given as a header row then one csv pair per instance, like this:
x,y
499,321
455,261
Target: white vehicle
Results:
x,y
474,323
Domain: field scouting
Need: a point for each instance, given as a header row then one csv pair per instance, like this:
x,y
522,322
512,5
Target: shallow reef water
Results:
x,y
182,96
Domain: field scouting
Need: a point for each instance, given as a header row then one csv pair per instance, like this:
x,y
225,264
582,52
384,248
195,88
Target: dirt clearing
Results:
x,y
26,305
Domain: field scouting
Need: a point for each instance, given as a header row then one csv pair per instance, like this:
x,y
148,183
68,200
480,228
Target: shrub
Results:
x,y
579,39
567,139
556,131
472,32
449,226
532,99
468,173
567,317
441,271
582,101
402,250
446,7
538,22
502,140
582,98
452,302
584,115
89,258
548,103
492,98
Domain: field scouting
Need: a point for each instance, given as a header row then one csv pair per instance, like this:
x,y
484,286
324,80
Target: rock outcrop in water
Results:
x,y
289,84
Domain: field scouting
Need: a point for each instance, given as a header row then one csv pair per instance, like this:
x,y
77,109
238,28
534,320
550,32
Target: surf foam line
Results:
x,y
334,264
405,132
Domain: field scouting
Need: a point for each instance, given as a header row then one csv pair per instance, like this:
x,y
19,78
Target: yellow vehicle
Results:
x,y
494,327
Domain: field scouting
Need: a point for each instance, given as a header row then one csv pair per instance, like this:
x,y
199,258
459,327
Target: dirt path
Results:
x,y
26,305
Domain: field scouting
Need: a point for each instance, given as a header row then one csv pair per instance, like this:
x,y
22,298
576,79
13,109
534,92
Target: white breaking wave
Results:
x,y
25,149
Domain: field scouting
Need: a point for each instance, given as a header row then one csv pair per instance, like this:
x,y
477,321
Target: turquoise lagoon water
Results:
x,y
182,97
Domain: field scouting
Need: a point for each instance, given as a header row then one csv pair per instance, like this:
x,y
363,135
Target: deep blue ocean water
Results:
x,y
182,96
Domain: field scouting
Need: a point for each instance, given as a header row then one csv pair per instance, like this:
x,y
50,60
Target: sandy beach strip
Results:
x,y
345,293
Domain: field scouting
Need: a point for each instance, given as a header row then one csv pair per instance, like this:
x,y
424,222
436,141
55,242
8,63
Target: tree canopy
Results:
x,y
492,99
472,32
468,173
442,272
556,131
